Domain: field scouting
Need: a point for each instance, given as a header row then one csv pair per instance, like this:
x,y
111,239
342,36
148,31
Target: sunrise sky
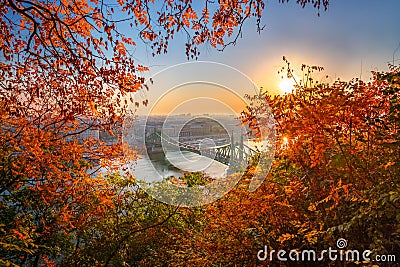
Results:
x,y
349,40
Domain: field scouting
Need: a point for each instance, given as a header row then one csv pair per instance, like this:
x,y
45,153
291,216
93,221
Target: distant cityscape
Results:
x,y
190,128
186,128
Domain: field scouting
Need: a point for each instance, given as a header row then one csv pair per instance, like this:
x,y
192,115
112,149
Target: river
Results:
x,y
157,166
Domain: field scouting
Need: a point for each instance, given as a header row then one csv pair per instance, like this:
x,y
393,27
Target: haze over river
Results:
x,y
158,166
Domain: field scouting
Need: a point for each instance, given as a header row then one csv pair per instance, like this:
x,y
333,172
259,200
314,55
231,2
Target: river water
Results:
x,y
159,166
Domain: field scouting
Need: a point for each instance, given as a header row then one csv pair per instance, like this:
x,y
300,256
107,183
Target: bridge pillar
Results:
x,y
241,149
232,149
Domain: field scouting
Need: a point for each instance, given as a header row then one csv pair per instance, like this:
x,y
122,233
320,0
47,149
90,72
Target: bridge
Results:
x,y
237,154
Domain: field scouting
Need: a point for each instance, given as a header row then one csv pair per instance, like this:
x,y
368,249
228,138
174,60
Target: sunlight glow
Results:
x,y
285,140
285,143
286,86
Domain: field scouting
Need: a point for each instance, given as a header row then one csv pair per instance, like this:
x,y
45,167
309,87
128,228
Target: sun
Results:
x,y
285,140
287,86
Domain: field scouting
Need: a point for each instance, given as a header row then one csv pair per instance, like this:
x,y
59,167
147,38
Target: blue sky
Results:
x,y
350,39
